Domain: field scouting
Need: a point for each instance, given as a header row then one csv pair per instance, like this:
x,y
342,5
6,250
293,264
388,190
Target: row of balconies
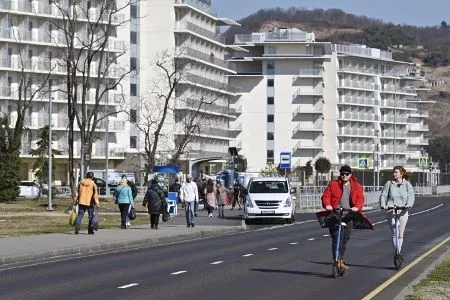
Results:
x,y
308,73
353,147
359,85
309,109
314,127
49,9
357,131
193,104
60,122
418,127
308,91
309,144
206,131
58,38
209,58
209,83
186,25
397,72
360,116
398,90
359,100
53,66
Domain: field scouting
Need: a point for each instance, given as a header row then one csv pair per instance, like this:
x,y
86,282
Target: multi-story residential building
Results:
x,y
33,46
189,33
317,99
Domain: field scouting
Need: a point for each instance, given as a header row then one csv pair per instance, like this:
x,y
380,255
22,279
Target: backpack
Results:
x,y
133,187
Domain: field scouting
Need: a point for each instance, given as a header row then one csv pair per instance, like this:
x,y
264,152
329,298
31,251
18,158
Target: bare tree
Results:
x,y
157,110
27,86
90,59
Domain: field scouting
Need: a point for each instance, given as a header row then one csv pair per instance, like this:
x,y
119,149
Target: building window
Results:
x,y
133,116
270,82
133,142
133,11
270,159
133,37
270,118
272,50
270,100
133,89
133,63
270,136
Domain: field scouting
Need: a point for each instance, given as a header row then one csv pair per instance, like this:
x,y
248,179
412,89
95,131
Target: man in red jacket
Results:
x,y
345,192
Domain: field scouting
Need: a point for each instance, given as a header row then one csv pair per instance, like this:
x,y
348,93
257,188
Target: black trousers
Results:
x,y
123,214
345,234
154,220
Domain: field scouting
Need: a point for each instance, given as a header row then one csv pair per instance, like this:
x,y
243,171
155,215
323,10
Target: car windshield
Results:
x,y
270,187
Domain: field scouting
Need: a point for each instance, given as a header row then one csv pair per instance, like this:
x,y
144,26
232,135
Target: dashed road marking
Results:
x,y
179,272
271,249
293,243
247,255
326,235
311,239
217,262
127,286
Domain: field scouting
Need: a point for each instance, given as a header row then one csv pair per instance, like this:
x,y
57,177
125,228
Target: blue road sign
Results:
x,y
423,162
363,163
285,160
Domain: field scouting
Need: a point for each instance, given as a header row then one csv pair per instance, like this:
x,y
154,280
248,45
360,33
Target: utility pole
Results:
x,y
395,123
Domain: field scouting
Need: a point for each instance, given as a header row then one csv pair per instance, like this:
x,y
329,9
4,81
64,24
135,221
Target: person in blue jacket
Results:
x,y
124,198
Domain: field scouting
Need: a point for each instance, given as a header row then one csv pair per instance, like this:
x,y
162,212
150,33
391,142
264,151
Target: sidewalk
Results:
x,y
32,248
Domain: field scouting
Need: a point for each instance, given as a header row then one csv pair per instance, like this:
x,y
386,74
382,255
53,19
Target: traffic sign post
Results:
x,y
285,161
423,162
363,163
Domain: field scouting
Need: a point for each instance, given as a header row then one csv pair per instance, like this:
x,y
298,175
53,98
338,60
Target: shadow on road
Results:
x,y
354,265
320,275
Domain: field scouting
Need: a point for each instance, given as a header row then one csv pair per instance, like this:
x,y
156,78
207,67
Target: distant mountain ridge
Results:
x,y
427,46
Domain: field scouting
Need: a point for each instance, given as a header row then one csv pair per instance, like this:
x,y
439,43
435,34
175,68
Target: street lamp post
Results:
x,y
395,123
49,186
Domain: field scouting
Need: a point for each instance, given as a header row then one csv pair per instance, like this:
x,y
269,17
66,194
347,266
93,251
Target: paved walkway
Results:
x,y
35,247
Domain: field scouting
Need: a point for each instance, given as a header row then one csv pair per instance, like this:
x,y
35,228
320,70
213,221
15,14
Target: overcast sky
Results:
x,y
411,12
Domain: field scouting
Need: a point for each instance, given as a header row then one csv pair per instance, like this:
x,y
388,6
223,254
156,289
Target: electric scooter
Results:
x,y
337,269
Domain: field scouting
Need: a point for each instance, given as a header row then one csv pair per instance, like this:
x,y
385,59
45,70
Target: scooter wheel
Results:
x,y
336,270
398,261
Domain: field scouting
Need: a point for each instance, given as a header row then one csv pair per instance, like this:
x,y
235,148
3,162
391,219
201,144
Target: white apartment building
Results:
x,y
317,99
32,43
189,32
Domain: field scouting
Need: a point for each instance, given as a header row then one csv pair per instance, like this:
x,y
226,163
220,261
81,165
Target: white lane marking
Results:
x,y
326,235
179,272
217,262
294,243
311,239
271,249
247,255
127,286
416,213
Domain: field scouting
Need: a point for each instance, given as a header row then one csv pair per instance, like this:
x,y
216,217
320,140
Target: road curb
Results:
x,y
118,245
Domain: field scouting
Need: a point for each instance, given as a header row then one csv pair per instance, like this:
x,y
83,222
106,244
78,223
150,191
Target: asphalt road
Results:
x,y
275,261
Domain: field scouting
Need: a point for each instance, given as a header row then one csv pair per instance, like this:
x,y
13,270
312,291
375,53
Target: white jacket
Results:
x,y
189,192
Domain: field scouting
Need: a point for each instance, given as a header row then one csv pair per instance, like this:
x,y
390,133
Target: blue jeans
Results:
x,y
189,208
221,210
81,210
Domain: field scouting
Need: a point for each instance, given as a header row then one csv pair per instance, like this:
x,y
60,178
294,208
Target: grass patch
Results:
x,y
32,225
436,285
28,216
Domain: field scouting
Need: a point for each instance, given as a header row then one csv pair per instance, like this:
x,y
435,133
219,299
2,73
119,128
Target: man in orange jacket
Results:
x,y
86,198
345,192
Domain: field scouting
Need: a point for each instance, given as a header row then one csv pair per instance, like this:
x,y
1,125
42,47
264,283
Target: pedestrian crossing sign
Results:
x,y
423,162
363,163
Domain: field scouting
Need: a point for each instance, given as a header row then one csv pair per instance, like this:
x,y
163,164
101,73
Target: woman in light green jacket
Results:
x,y
397,192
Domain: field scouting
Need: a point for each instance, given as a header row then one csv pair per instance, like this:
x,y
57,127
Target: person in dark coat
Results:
x,y
154,200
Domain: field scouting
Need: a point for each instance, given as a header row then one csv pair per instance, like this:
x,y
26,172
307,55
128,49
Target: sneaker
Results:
x,y
192,224
128,224
77,230
195,214
342,264
152,226
123,227
188,225
210,215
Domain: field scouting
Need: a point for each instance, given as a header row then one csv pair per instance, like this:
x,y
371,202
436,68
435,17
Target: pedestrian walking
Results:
x,y
134,193
221,196
236,195
124,198
154,200
189,194
210,197
87,199
397,192
345,192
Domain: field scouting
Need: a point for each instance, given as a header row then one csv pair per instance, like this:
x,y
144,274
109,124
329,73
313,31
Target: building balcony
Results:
x,y
236,143
390,103
389,149
358,101
350,84
209,59
419,141
196,105
199,30
362,132
418,127
419,114
397,119
361,117
314,144
308,91
308,109
389,134
413,155
210,132
207,83
355,148
308,127
358,70
308,73
390,88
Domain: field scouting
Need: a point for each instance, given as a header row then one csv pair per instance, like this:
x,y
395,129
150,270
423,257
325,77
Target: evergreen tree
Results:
x,y
9,166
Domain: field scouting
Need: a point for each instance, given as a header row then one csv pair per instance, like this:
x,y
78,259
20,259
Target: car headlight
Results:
x,y
288,202
248,202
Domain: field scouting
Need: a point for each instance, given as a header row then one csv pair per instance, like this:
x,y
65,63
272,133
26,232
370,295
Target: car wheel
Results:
x,y
248,222
291,219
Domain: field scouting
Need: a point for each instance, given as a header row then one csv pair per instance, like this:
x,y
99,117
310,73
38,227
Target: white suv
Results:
x,y
269,198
